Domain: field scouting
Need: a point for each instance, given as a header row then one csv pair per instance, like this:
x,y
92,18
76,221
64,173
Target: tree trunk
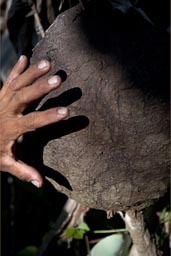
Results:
x,y
113,150
143,244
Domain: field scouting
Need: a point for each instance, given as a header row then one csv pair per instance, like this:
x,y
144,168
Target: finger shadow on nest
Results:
x,y
31,148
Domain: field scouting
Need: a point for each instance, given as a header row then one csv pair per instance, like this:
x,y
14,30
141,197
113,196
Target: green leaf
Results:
x,y
162,215
79,234
166,218
84,227
69,232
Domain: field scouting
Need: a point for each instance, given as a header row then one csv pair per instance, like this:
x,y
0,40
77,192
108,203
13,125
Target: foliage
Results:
x,y
77,232
162,234
163,218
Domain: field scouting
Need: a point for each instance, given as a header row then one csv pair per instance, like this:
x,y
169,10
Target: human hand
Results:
x,y
19,90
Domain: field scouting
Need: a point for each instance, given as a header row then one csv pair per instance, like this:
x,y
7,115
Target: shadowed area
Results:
x,y
64,99
131,41
31,150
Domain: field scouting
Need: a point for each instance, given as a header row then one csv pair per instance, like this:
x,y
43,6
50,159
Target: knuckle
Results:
x,y
21,97
31,121
34,71
14,85
22,177
43,87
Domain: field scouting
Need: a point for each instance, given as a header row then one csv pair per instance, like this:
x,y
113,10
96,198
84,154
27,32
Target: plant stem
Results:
x,y
109,231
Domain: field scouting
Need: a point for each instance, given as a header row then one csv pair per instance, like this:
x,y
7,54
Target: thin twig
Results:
x,y
87,245
39,28
109,231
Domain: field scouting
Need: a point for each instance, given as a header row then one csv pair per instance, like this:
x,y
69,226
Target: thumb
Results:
x,y
26,173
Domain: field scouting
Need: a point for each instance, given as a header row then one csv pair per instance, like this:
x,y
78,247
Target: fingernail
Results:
x,y
53,80
36,183
20,139
62,111
42,64
21,58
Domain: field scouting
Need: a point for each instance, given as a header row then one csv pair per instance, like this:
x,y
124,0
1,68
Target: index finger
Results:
x,y
18,69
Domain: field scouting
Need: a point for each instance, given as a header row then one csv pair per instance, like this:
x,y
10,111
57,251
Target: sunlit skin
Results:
x,y
19,90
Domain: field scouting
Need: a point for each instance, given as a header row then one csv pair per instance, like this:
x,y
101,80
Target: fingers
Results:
x,y
30,75
19,78
13,90
27,173
19,67
24,172
28,94
19,90
39,119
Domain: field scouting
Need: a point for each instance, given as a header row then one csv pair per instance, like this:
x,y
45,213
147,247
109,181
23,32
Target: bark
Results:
x,y
113,151
142,242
